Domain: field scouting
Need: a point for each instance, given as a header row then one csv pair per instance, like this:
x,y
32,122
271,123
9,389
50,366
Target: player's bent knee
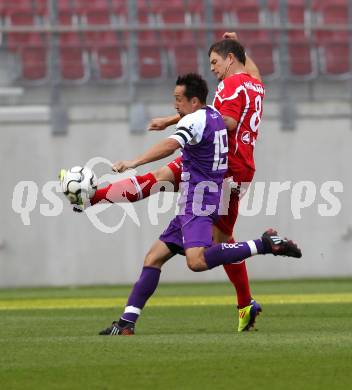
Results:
x,y
196,264
194,267
151,260
164,174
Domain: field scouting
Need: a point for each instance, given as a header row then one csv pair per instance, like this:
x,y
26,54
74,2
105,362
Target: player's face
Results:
x,y
219,66
182,104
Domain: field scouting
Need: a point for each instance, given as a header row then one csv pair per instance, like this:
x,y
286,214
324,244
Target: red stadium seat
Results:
x,y
41,7
244,13
301,62
144,6
300,53
149,48
103,45
336,13
109,63
20,5
263,55
21,18
119,7
84,6
335,59
219,17
175,15
196,9
196,15
225,6
185,59
71,46
64,6
66,18
300,49
149,62
16,40
93,38
71,50
247,11
72,63
333,45
258,41
34,63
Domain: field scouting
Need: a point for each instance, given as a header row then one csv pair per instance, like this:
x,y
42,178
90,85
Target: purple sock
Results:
x,y
141,292
227,253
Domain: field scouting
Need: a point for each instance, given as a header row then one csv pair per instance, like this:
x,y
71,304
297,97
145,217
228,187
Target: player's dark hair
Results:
x,y
195,86
227,46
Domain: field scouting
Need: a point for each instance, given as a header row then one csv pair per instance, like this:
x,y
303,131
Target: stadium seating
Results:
x,y
182,45
21,18
30,47
104,47
100,49
34,63
333,46
73,58
301,54
109,62
150,64
258,42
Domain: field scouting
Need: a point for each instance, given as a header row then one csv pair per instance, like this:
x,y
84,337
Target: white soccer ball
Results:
x,y
79,184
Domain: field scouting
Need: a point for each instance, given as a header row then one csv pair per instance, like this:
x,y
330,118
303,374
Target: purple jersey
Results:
x,y
203,137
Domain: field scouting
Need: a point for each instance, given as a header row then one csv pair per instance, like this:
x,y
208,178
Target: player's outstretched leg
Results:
x,y
280,246
131,189
225,253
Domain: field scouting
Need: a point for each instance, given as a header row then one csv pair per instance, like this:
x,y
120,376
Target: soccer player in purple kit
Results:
x,y
201,134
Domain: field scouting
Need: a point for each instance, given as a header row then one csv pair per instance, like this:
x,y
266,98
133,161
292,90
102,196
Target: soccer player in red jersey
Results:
x,y
239,99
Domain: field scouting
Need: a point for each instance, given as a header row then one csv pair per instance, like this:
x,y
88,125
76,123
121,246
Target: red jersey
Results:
x,y
240,97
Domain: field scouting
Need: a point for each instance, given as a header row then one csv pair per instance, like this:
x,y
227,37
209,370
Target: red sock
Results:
x,y
237,273
131,189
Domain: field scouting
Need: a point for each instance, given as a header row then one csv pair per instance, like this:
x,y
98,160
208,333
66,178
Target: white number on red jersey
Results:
x,y
256,117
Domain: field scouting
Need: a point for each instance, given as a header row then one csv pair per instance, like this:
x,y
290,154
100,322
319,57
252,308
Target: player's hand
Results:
x,y
230,35
157,124
122,166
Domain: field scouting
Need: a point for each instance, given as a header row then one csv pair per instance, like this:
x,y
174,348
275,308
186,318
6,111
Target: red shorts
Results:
x,y
237,185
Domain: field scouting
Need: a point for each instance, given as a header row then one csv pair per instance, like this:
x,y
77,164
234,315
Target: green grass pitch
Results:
x,y
185,339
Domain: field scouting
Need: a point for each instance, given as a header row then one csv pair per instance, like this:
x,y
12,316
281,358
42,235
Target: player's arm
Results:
x,y
163,149
230,123
251,67
163,122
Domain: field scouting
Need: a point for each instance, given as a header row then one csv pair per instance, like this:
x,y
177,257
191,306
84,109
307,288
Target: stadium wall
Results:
x,y
67,249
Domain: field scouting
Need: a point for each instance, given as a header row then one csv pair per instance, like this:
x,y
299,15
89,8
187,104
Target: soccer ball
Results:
x,y
79,184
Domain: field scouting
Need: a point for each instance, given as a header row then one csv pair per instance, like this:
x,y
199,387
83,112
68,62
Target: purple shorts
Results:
x,y
188,231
